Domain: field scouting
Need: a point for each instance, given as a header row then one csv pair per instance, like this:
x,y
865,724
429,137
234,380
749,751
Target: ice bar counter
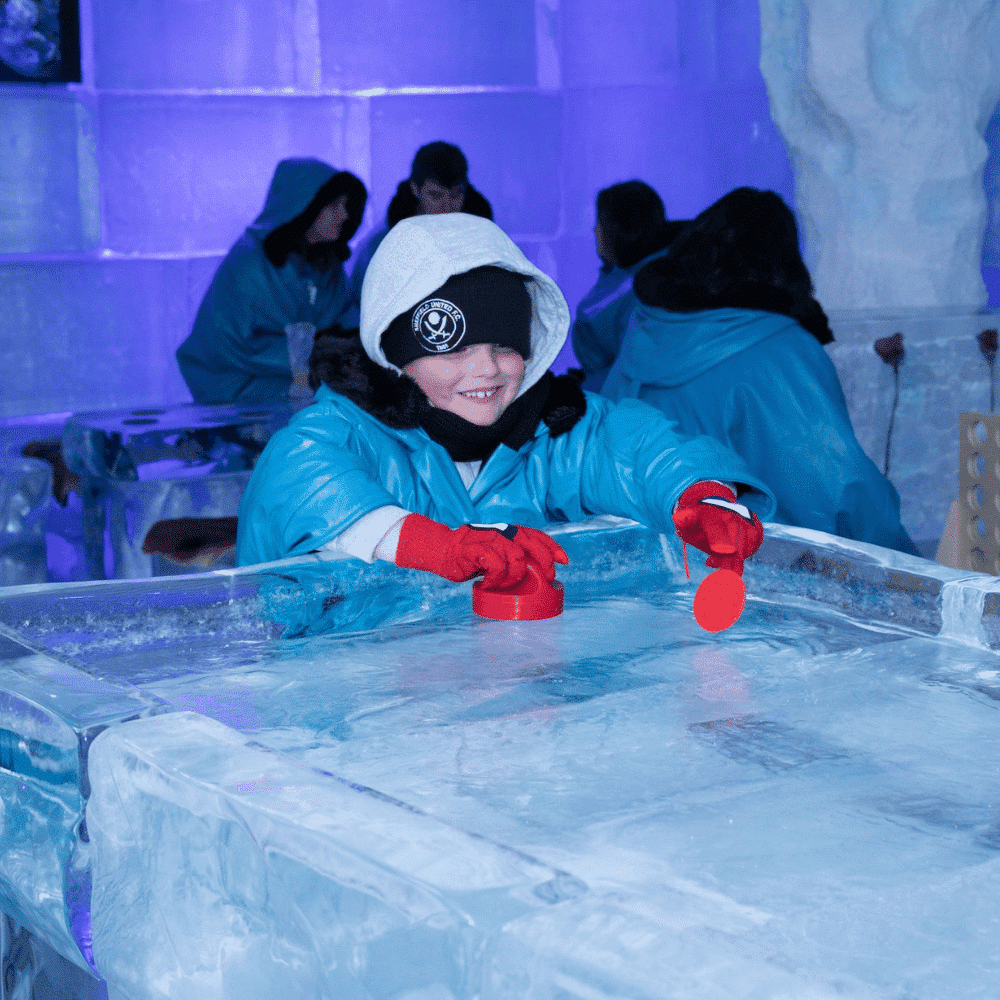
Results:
x,y
327,779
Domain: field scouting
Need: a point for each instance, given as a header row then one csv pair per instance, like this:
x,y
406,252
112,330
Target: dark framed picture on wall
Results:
x,y
39,41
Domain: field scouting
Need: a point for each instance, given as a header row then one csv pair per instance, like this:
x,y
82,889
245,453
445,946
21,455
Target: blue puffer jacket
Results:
x,y
237,349
334,463
602,317
764,387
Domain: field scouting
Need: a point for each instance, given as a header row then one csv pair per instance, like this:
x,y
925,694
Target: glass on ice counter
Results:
x,y
327,779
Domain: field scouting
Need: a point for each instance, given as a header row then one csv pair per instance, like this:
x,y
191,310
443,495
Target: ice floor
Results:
x,y
331,780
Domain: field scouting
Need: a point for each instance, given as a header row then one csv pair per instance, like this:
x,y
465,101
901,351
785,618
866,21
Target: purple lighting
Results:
x,y
121,194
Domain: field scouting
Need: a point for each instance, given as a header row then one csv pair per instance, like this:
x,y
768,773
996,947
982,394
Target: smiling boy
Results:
x,y
444,415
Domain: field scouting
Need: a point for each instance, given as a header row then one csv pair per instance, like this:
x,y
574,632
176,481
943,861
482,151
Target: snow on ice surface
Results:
x,y
610,803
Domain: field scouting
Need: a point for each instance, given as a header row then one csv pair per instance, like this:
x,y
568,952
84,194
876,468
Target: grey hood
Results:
x,y
421,253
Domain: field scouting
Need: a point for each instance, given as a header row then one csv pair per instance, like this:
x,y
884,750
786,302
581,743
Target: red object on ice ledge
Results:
x,y
719,600
533,599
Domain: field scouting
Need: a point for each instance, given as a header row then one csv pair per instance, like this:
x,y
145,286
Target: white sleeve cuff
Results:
x,y
361,538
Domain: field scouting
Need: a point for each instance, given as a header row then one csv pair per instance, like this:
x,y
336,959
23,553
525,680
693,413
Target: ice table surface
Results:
x,y
610,803
154,442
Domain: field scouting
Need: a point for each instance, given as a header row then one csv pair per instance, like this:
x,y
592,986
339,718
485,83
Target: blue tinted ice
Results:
x,y
139,466
25,485
49,713
398,799
49,191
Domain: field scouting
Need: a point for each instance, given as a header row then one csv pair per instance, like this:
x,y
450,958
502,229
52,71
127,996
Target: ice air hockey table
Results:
x,y
319,778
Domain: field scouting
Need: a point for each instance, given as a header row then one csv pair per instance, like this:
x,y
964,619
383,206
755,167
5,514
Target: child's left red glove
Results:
x,y
708,517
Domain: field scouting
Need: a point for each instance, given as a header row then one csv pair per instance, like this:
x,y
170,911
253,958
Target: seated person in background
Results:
x,y
438,184
284,274
727,341
443,414
631,229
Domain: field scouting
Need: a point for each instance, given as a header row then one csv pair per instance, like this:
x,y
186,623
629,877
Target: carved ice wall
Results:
x,y
883,105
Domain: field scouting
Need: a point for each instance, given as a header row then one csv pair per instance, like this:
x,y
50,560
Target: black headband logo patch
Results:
x,y
438,325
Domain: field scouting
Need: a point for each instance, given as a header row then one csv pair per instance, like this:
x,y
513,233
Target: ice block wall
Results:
x,y
119,195
991,185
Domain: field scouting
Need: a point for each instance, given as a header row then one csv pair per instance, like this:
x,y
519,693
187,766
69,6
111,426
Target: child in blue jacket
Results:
x,y
441,441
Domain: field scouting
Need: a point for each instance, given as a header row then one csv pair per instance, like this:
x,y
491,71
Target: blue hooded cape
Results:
x,y
602,317
763,386
237,349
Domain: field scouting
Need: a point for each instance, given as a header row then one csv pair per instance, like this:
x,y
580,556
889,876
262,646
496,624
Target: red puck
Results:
x,y
530,600
719,600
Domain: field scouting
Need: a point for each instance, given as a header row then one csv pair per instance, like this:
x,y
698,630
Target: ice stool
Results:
x,y
38,436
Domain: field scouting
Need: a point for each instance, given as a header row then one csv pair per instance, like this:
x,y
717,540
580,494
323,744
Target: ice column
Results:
x,y
883,106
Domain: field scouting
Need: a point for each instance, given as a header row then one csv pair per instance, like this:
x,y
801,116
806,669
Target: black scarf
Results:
x,y
468,442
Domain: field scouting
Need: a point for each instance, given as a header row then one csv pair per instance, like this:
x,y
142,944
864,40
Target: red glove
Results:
x,y
709,518
498,550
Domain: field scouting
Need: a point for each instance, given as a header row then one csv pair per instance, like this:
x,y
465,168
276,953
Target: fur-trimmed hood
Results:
x,y
300,188
742,252
421,253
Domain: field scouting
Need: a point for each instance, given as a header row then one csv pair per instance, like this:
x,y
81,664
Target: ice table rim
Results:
x,y
966,597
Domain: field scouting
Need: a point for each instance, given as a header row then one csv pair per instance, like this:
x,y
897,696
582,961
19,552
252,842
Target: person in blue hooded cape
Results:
x,y
438,183
727,341
285,272
439,439
631,230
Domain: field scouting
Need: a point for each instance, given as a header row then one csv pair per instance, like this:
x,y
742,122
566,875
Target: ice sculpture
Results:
x,y
883,108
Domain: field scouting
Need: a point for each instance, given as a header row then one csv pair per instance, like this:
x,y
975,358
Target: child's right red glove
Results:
x,y
457,554
709,518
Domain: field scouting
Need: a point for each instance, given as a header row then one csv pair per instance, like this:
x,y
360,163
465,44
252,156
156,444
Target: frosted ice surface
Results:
x,y
49,712
141,47
83,314
804,805
432,44
609,803
188,196
49,192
